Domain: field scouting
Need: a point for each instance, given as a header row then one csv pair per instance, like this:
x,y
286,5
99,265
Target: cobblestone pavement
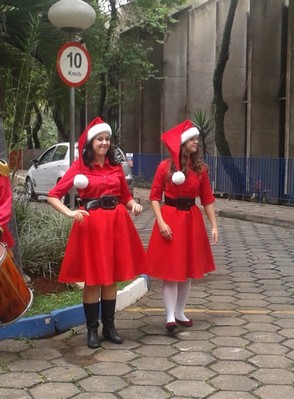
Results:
x,y
240,347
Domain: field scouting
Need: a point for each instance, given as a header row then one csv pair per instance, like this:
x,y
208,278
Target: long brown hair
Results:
x,y
188,161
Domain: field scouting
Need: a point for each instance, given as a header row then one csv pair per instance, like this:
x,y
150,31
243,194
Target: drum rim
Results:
x,y
22,314
4,252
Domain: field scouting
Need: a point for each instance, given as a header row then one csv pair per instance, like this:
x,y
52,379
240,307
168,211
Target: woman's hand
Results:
x,y
214,236
137,209
78,214
165,231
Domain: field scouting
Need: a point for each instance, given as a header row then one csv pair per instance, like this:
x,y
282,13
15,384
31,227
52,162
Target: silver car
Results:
x,y
49,168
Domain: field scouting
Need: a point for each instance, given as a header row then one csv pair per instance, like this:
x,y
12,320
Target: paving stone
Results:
x,y
160,350
95,395
195,346
266,337
32,365
233,382
228,331
8,357
14,394
40,353
190,389
232,367
103,384
232,353
103,368
65,374
285,323
152,363
193,358
228,321
270,361
61,391
192,373
261,327
275,391
279,377
267,348
19,380
146,392
119,355
11,345
232,395
147,377
230,341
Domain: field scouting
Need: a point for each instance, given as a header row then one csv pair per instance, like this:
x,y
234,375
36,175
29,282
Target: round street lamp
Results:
x,y
72,16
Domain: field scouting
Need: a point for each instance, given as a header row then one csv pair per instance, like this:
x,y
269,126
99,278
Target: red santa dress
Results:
x,y
188,254
5,209
105,248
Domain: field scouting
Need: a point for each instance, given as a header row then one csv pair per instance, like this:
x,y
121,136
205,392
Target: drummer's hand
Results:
x,y
78,214
1,231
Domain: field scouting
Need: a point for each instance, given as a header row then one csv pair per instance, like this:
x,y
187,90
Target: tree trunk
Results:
x,y
220,106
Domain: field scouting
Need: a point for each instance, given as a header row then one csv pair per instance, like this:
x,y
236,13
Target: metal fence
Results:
x,y
268,180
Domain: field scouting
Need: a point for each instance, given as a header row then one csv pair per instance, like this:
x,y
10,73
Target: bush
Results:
x,y
43,235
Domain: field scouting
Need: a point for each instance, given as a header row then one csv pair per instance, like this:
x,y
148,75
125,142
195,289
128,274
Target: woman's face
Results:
x,y
101,143
191,145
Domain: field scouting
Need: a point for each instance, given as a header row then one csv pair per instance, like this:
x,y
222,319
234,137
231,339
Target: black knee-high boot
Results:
x,y
107,317
92,313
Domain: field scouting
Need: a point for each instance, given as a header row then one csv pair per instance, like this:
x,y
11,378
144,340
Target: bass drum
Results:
x,y
15,297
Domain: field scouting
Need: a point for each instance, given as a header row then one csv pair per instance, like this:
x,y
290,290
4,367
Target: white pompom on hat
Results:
x,y
94,128
173,139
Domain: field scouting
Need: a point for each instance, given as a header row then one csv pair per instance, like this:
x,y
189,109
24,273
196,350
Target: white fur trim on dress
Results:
x,y
188,134
178,178
81,181
99,128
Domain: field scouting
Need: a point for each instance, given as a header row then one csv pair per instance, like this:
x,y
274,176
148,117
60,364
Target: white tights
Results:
x,y
175,295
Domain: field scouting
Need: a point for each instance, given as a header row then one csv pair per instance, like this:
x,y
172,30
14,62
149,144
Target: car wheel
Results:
x,y
29,190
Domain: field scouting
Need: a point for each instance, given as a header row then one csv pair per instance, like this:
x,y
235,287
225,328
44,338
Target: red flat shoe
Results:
x,y
171,326
188,323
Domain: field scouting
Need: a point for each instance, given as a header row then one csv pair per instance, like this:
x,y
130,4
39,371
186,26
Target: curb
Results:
x,y
58,321
257,219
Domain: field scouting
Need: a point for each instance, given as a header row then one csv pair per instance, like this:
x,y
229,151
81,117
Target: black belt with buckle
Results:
x,y
181,203
105,202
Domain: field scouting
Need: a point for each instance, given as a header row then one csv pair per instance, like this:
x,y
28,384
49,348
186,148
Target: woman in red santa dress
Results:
x,y
179,248
104,246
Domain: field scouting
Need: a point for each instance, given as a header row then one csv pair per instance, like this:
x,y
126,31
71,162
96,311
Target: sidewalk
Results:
x,y
241,345
277,215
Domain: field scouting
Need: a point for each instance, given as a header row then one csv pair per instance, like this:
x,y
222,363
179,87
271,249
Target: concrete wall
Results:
x,y
265,40
251,83
201,56
175,73
234,83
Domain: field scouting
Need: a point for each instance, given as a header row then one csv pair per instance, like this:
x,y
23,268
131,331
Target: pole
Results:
x,y
72,138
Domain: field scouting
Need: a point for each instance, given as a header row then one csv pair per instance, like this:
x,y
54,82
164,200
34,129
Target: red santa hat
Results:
x,y
173,139
94,128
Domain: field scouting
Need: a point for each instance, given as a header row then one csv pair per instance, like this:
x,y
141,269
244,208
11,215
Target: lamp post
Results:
x,y
72,16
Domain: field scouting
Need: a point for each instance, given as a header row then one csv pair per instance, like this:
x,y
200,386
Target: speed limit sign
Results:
x,y
73,64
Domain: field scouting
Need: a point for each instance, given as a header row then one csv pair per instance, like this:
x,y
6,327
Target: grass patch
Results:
x,y
45,304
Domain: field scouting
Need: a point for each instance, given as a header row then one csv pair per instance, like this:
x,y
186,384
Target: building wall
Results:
x,y
265,41
251,83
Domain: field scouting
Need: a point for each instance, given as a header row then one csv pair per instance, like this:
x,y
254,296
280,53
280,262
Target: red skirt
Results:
x,y
188,254
103,249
